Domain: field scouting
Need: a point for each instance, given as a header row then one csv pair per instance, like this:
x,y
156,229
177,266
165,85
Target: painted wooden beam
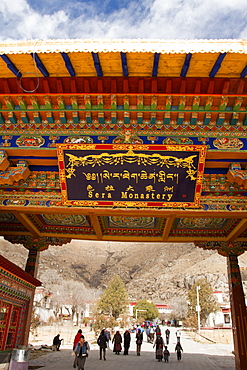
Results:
x,y
217,65
24,117
180,118
22,102
244,72
2,119
49,117
237,103
186,65
114,117
62,117
207,118
167,118
37,117
153,118
193,118
40,64
11,65
68,64
75,117
126,118
88,117
101,117
234,119
12,117
124,64
181,102
26,222
155,64
221,119
208,103
97,64
126,102
223,103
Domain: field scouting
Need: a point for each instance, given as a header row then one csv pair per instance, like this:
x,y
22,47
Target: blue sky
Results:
x,y
167,19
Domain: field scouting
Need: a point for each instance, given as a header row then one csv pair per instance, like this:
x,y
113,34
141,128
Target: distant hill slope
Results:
x,y
157,271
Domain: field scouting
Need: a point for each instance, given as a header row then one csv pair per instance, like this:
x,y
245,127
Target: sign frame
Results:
x,y
128,150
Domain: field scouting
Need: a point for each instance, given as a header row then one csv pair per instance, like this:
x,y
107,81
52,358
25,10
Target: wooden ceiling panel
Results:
x,y
170,65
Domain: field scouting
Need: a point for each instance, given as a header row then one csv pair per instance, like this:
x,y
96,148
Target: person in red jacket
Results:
x,y
76,341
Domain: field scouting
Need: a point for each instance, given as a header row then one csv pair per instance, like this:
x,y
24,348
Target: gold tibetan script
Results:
x,y
131,157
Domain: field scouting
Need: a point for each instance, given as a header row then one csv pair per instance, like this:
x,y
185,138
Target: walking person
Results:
x,y
117,340
127,340
178,335
102,343
152,334
166,354
81,350
139,340
76,341
157,329
167,333
159,343
108,336
178,349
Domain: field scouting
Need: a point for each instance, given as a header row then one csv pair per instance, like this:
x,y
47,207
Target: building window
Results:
x,y
227,318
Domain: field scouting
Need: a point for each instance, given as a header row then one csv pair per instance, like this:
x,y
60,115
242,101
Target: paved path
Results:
x,y
196,356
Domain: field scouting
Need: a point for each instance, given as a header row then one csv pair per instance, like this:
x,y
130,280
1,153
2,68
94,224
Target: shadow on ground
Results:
x,y
190,361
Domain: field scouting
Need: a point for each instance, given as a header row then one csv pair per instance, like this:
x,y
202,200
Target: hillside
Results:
x,y
157,271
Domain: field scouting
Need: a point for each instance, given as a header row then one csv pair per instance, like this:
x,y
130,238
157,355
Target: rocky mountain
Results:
x,y
157,271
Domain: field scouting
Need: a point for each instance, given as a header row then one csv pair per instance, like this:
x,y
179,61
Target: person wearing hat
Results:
x,y
159,343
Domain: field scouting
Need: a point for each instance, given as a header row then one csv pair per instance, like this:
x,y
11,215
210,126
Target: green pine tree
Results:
x,y
113,301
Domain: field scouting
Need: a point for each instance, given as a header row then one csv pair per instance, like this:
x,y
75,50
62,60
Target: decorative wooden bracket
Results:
x,y
236,174
10,174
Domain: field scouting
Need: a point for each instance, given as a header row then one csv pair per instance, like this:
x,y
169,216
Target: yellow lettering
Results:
x,y
126,175
149,188
109,188
142,196
169,197
124,195
109,195
168,188
88,176
134,176
90,188
116,175
90,194
143,175
96,195
152,176
106,174
136,196
162,176
157,196
131,195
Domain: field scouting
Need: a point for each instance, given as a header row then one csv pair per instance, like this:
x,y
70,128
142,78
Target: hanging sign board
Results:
x,y
124,175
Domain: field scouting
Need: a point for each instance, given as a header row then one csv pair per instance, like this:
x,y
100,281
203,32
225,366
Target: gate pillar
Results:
x,y
32,269
232,250
35,245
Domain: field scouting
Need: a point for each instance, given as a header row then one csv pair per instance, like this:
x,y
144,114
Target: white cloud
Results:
x,y
138,19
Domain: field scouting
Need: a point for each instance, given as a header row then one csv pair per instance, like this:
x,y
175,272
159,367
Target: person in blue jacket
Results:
x,y
81,350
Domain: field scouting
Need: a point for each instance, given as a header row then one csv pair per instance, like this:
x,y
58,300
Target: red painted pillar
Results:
x,y
238,312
